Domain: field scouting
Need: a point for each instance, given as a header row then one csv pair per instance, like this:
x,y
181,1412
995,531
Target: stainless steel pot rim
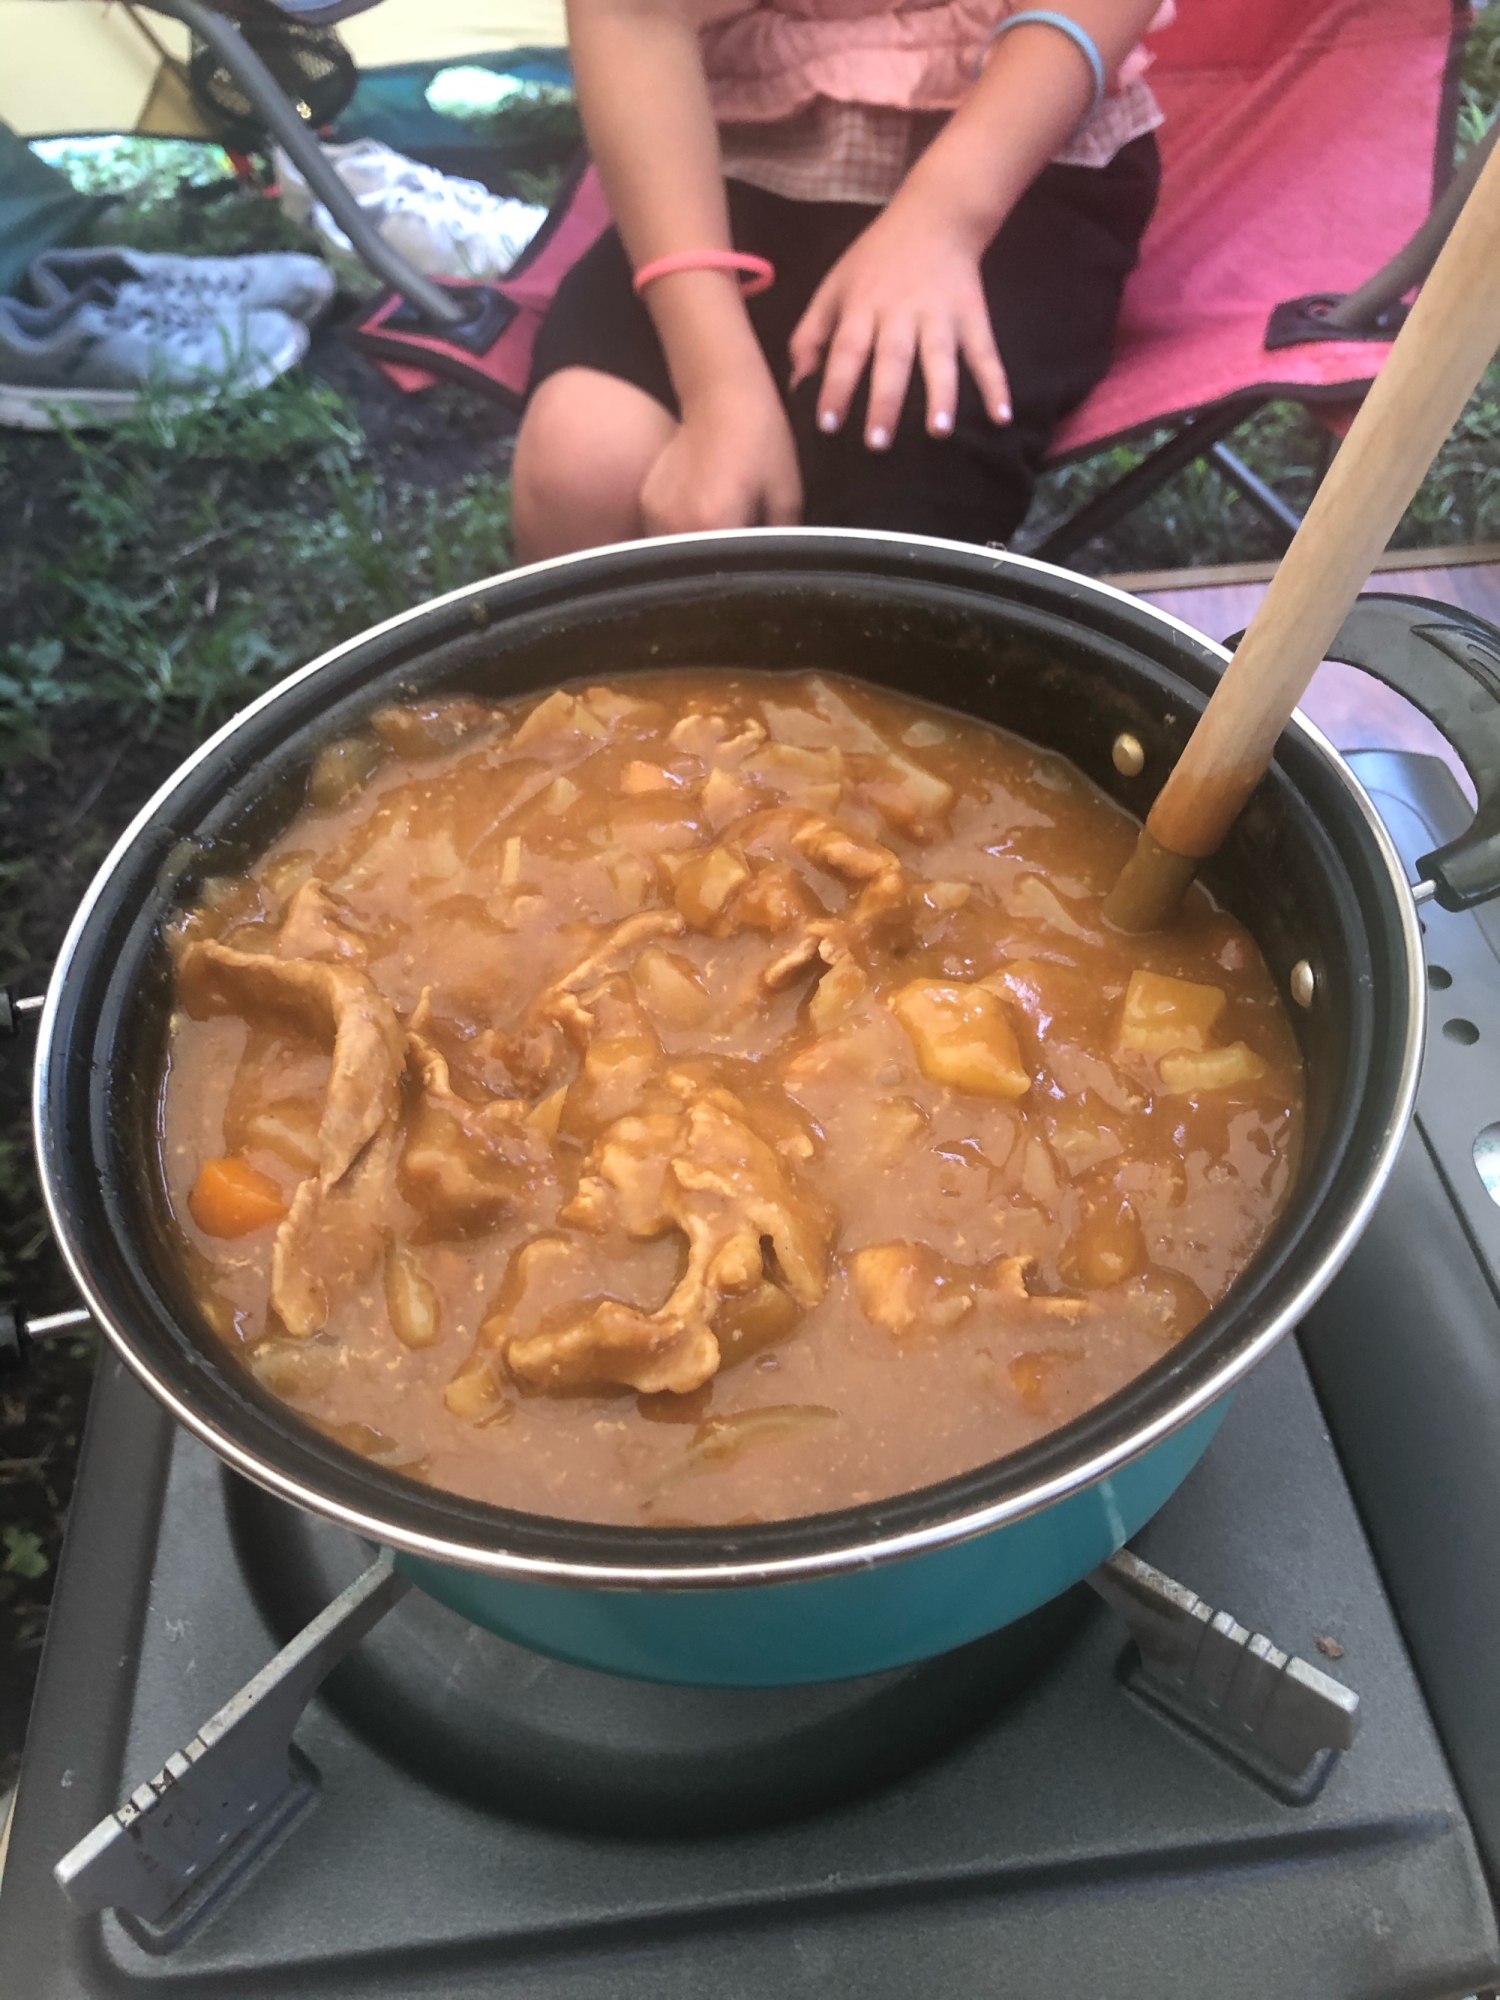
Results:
x,y
846,1556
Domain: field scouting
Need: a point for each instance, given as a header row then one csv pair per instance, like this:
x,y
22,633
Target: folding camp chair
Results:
x,y
1303,145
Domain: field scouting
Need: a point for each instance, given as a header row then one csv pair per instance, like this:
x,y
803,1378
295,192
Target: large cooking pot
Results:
x,y
1064,661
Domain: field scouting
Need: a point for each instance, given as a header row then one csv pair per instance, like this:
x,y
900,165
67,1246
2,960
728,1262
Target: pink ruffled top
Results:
x,y
769,59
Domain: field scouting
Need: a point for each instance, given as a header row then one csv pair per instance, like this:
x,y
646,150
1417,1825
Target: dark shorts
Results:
x,y
1053,278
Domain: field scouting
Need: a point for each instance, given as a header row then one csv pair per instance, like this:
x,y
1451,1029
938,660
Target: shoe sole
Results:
x,y
25,409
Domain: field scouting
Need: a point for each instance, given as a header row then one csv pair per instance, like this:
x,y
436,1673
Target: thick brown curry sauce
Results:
x,y
709,1097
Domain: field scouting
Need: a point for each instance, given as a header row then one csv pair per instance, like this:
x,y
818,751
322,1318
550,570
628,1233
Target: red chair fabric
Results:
x,y
1298,154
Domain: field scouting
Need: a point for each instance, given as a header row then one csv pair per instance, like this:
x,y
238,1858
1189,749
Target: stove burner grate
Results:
x,y
633,1757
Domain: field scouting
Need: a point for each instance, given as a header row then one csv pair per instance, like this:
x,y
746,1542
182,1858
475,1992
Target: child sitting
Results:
x,y
943,197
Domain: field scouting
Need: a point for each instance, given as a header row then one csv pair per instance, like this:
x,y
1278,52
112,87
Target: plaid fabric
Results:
x,y
1123,115
829,151
862,152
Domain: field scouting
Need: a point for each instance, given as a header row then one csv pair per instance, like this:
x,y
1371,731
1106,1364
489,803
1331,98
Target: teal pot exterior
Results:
x,y
830,1628
1063,661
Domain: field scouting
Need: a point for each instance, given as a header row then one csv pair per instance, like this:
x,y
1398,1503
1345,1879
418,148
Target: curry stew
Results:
x,y
708,1098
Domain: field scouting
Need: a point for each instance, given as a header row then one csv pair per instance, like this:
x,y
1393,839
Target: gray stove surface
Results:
x,y
1077,1844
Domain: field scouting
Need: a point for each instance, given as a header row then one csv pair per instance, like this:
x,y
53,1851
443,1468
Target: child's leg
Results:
x,y
586,443
601,408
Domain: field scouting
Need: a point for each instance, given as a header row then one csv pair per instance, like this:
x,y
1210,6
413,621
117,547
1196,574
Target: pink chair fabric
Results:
x,y
585,218
1297,154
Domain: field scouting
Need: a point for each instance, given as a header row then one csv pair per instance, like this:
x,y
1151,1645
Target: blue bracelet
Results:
x,y
1081,39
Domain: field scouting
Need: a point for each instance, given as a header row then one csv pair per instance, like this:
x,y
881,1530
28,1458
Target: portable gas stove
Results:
x,y
1169,1806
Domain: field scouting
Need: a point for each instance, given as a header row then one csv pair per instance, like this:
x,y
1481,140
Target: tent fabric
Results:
x,y
76,66
1298,154
73,67
39,208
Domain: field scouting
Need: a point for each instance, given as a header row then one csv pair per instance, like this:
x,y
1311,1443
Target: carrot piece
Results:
x,y
230,1198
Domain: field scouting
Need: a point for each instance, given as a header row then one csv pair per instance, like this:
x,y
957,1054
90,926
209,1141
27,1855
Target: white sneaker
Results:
x,y
285,281
445,227
90,359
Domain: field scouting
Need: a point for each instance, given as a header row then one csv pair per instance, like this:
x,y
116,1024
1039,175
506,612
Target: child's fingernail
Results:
x,y
1002,413
828,420
878,438
943,421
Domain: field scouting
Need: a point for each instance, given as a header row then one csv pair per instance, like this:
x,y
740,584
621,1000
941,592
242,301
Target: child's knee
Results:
x,y
583,429
550,461
585,444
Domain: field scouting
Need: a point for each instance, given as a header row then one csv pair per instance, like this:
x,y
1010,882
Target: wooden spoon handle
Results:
x,y
1441,352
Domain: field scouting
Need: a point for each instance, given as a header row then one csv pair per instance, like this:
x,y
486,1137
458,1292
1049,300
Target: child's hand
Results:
x,y
908,288
732,464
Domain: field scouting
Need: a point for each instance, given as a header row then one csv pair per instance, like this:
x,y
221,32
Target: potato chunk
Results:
x,y
294,1368
639,776
616,1069
962,1037
705,884
895,1123
1193,1070
907,795
557,722
901,1285
670,989
289,1129
836,992
1162,1015
725,798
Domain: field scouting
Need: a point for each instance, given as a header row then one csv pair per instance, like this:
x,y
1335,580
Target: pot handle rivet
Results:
x,y
1303,983
1129,758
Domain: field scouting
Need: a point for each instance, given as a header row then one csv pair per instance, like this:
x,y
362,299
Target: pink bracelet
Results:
x,y
757,274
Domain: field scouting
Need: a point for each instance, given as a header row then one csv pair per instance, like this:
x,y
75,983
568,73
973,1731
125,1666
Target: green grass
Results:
x,y
155,578
146,170
1480,87
172,194
197,556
